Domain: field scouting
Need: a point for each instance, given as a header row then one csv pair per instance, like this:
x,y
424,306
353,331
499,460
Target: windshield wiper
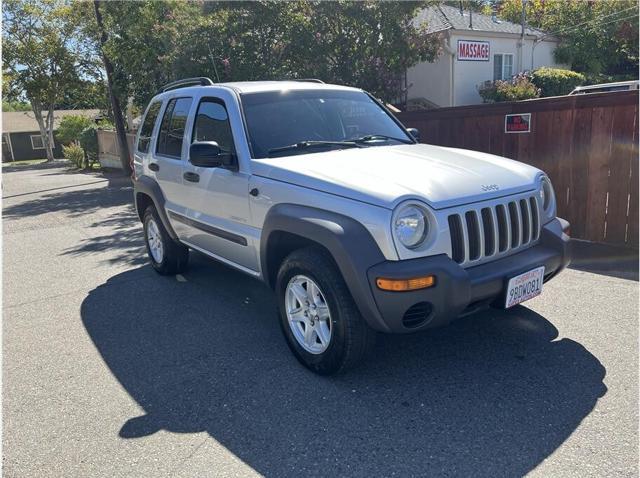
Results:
x,y
374,137
313,144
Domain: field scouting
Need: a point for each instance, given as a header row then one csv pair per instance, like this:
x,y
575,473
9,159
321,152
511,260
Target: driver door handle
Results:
x,y
191,177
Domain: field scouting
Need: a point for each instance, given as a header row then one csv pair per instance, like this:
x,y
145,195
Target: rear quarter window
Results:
x,y
147,127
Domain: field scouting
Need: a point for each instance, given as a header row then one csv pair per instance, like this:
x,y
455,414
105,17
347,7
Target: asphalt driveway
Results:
x,y
111,370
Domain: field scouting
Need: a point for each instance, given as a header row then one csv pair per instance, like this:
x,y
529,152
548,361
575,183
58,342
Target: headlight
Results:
x,y
547,198
410,226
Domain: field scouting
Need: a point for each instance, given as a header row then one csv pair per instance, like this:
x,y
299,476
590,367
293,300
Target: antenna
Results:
x,y
213,63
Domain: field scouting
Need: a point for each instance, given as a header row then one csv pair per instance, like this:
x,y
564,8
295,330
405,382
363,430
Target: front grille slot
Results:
x,y
473,230
489,231
493,231
534,218
526,221
457,238
503,228
514,217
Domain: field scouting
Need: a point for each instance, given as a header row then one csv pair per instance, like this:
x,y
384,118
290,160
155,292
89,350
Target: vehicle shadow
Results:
x,y
492,394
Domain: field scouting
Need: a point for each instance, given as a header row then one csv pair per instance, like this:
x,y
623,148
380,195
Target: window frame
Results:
x,y
502,66
159,126
153,129
31,136
221,102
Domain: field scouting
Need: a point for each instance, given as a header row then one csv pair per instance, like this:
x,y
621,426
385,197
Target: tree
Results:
x,y
598,37
70,128
366,44
41,57
115,101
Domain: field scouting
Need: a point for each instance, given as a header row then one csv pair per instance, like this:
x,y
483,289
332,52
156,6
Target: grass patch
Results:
x,y
25,162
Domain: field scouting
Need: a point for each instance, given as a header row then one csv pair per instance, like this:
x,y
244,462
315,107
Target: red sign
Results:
x,y
473,50
520,123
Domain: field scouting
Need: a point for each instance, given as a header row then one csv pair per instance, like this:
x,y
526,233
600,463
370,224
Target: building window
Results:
x,y
36,141
502,66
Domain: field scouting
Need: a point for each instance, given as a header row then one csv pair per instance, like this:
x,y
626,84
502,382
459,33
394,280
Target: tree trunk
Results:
x,y
36,107
115,103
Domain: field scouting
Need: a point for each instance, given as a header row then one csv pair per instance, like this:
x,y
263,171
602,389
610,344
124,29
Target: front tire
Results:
x,y
167,256
318,316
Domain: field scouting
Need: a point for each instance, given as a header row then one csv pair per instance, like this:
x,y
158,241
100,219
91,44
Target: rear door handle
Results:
x,y
154,167
191,177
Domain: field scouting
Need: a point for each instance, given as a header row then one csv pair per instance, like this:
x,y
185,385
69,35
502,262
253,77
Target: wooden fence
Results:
x,y
108,151
587,144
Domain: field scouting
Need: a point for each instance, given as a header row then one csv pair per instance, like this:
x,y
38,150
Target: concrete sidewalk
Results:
x,y
111,370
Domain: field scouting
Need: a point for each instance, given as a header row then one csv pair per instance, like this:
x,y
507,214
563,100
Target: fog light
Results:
x,y
402,285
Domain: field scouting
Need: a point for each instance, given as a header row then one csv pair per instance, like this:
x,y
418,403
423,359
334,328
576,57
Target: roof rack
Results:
x,y
174,85
309,80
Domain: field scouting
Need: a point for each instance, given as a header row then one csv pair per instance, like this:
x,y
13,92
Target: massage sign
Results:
x,y
473,50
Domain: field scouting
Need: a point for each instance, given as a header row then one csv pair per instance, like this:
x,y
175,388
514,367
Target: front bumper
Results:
x,y
461,291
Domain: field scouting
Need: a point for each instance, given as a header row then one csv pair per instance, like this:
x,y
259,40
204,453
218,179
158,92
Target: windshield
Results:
x,y
277,121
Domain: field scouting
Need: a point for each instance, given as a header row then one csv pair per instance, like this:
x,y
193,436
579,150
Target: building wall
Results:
x,y
21,146
431,80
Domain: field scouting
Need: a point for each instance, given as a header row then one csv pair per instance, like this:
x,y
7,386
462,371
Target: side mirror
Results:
x,y
207,154
415,133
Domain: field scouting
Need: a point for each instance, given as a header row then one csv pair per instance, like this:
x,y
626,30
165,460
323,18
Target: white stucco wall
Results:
x,y
431,80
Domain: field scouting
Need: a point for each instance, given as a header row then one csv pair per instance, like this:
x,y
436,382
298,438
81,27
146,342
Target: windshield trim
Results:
x,y
245,125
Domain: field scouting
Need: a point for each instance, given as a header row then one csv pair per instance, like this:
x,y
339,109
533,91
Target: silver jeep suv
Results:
x,y
320,192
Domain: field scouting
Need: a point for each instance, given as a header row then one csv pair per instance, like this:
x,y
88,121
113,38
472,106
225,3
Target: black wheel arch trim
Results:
x,y
151,188
350,244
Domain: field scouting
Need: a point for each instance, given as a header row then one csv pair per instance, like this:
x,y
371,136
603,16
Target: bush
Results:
x,y
516,89
70,128
556,81
89,142
74,153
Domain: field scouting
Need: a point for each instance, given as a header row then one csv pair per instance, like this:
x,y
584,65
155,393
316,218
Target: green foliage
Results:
x,y
89,143
367,44
555,81
15,106
42,56
74,153
106,125
70,128
516,89
597,36
84,95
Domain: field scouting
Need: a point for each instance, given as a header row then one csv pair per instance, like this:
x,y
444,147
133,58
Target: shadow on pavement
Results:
x,y
493,394
621,262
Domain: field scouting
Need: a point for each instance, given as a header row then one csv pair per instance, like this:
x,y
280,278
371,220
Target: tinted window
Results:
x,y
147,127
172,128
212,124
277,119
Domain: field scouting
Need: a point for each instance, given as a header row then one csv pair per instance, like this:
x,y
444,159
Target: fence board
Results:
x,y
599,158
588,144
622,155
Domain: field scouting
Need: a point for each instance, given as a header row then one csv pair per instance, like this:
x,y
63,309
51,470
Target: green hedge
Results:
x,y
555,81
518,88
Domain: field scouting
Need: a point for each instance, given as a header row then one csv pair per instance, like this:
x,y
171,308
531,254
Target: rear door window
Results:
x,y
172,127
147,127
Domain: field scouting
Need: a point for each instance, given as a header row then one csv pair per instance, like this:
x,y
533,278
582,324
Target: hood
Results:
x,y
386,175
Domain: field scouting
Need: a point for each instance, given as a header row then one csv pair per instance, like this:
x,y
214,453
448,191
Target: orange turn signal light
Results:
x,y
403,285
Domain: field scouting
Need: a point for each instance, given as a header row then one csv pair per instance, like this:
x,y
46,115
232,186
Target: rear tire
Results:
x,y
168,257
339,337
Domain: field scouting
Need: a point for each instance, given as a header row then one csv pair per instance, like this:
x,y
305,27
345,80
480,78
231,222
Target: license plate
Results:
x,y
524,287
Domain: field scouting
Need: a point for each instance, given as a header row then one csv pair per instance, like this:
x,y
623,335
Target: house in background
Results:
x,y
478,48
21,135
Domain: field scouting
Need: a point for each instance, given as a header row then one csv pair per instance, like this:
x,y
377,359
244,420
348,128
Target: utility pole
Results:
x,y
524,22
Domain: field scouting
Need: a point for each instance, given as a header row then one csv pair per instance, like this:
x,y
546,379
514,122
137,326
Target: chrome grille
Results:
x,y
485,232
